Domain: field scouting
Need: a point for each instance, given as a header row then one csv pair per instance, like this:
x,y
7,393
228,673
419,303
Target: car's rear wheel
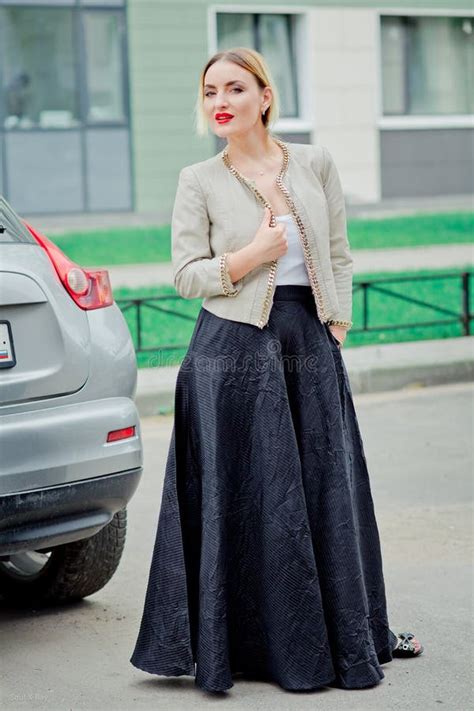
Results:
x,y
67,572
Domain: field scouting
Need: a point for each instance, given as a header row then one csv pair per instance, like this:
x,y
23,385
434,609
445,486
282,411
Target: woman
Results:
x,y
267,558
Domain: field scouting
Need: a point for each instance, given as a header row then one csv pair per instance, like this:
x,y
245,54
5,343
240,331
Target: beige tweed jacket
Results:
x,y
217,210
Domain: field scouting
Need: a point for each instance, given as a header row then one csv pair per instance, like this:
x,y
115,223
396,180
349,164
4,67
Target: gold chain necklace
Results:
x,y
306,250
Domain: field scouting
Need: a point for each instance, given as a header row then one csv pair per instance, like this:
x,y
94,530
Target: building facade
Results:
x,y
97,101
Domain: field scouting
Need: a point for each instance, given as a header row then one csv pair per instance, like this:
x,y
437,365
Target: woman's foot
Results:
x,y
407,645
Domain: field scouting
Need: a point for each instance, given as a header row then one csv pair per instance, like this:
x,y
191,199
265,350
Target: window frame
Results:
x,y
78,10
414,121
122,39
301,40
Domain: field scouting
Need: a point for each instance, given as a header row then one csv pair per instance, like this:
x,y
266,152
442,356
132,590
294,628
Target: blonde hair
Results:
x,y
252,61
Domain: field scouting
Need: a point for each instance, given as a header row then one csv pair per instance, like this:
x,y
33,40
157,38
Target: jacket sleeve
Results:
x,y
196,271
341,259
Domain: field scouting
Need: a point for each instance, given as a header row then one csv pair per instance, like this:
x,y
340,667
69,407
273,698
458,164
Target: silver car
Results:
x,y
70,442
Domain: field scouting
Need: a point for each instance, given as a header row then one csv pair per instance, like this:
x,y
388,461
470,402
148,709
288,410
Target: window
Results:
x,y
47,81
427,65
104,66
11,227
273,36
37,58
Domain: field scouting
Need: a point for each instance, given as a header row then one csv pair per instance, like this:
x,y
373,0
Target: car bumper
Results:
x,y
64,444
41,519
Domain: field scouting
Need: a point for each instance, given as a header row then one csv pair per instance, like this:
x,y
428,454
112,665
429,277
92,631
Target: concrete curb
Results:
x,y
389,207
378,368
446,257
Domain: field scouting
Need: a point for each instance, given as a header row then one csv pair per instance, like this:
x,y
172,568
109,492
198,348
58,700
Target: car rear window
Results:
x,y
12,228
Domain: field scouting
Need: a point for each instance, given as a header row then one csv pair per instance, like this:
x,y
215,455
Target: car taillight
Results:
x,y
89,288
124,433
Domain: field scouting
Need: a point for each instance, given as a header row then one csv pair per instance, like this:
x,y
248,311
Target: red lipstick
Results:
x,y
223,117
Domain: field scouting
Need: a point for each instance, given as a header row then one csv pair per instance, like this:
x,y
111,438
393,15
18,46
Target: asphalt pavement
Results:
x,y
418,445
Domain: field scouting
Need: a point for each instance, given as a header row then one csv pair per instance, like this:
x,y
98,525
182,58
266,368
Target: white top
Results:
x,y
291,268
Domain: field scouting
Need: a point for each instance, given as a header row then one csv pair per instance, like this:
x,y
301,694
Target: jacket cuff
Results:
x,y
228,288
339,322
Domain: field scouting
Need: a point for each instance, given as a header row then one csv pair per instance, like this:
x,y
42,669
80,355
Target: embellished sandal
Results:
x,y
405,647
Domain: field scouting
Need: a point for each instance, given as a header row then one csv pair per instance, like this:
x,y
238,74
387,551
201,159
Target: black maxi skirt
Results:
x,y
267,558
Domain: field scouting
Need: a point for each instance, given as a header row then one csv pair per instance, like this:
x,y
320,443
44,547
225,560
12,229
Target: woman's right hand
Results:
x,y
269,243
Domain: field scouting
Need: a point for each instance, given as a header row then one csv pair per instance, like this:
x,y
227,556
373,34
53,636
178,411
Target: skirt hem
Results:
x,y
333,681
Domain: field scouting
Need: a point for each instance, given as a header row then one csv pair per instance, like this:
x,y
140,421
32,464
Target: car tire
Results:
x,y
72,571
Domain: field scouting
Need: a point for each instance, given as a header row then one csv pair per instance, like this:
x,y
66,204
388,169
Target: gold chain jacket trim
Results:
x,y
316,290
226,282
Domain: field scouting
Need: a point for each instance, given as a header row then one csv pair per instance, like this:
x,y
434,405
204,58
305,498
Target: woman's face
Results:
x,y
233,100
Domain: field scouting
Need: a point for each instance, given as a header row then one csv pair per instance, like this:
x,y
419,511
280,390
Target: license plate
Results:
x,y
7,352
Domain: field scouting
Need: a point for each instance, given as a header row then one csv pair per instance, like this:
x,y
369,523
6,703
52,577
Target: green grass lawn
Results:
x,y
130,245
384,310
138,245
412,231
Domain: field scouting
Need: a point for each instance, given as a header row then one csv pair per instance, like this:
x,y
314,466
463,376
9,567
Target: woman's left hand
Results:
x,y
340,333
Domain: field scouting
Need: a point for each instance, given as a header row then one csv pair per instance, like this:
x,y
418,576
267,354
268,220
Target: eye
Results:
x,y
235,88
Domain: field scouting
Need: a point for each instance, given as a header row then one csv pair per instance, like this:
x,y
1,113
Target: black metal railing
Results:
x,y
463,316
378,285
140,305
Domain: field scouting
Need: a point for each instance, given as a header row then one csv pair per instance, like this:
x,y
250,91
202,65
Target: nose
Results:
x,y
221,102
